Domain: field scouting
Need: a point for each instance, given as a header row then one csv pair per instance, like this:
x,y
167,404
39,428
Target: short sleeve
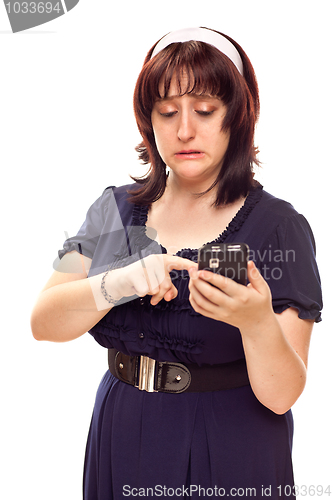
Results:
x,y
89,233
108,236
287,261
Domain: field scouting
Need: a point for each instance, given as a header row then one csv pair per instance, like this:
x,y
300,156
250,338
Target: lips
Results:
x,y
189,151
190,154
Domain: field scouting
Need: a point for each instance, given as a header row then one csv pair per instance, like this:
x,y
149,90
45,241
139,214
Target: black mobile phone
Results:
x,y
227,259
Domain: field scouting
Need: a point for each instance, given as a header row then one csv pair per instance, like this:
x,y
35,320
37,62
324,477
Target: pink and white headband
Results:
x,y
202,35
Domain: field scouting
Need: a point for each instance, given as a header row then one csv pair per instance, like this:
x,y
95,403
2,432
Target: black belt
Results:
x,y
164,376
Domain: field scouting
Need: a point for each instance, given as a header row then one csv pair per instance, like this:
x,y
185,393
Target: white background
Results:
x,y
67,131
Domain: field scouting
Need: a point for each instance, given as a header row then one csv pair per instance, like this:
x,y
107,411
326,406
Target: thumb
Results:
x,y
255,278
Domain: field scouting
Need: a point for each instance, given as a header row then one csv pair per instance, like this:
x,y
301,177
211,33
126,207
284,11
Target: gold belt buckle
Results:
x,y
146,377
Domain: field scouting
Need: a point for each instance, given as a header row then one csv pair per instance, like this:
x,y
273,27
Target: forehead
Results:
x,y
198,97
182,82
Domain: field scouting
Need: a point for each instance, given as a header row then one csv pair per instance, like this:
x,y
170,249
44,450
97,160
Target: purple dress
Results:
x,y
197,445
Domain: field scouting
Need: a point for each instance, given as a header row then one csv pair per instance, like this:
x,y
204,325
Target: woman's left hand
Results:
x,y
241,306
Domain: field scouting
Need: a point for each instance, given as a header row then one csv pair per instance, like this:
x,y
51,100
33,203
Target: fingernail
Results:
x,y
193,272
203,275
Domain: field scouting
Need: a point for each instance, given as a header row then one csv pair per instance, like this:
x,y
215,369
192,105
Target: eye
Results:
x,y
204,113
169,114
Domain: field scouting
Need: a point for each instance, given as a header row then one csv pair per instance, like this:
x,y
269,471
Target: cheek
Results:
x,y
160,145
158,139
223,141
162,141
219,144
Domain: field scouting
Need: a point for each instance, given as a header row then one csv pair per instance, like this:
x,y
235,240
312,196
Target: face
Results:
x,y
188,135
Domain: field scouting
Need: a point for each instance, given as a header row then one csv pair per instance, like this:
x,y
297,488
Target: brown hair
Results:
x,y
211,72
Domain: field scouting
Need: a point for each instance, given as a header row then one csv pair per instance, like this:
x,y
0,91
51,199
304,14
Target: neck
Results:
x,y
188,191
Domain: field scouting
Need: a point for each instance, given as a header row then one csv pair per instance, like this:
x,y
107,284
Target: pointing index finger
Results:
x,y
179,263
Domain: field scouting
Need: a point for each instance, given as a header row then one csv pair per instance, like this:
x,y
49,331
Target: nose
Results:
x,y
186,126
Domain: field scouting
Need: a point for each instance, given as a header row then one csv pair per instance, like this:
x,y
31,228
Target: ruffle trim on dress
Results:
x,y
243,213
176,306
176,344
303,313
140,216
107,336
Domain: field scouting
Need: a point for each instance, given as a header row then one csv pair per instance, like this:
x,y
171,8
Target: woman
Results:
x,y
201,379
